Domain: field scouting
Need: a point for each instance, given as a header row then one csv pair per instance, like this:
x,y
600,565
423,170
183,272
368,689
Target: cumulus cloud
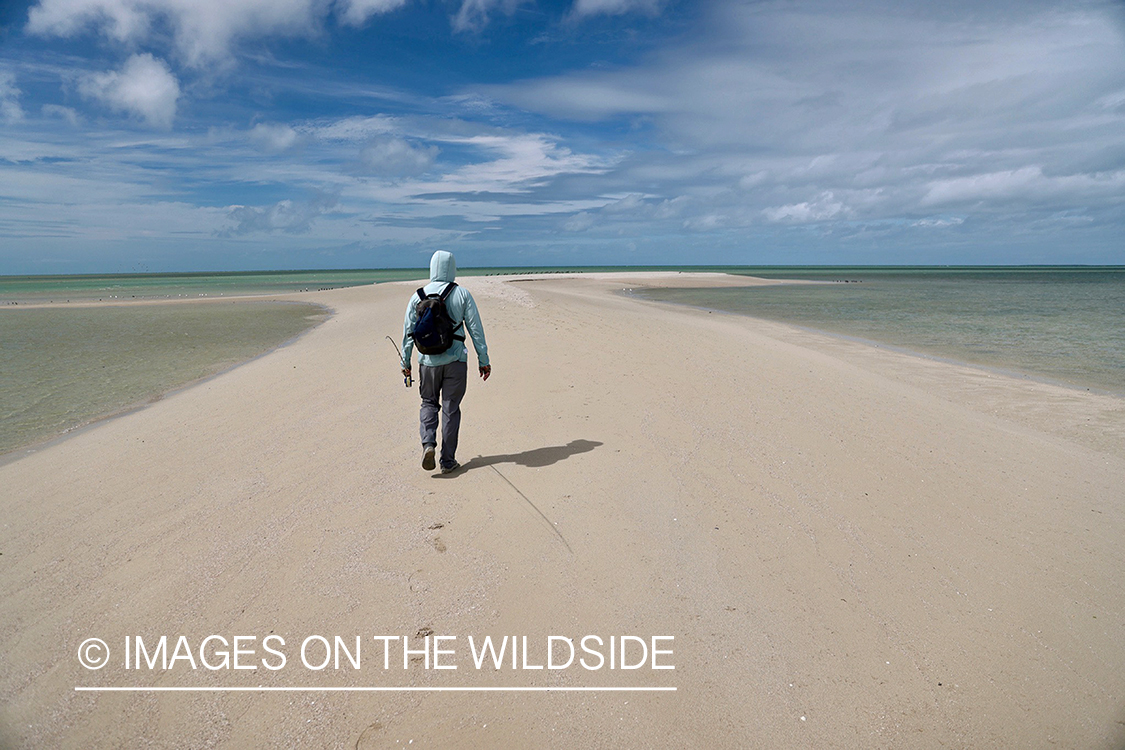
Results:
x,y
580,222
287,216
123,21
205,31
10,109
396,157
144,87
274,137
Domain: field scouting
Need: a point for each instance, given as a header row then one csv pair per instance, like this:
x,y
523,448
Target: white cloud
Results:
x,y
63,113
205,31
707,222
405,184
629,204
357,12
354,129
614,7
983,186
143,87
824,207
750,181
274,137
1025,184
122,20
290,217
902,116
473,15
10,109
941,223
580,222
395,157
817,111
522,161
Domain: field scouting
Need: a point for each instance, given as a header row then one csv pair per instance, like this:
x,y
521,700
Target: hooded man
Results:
x,y
442,377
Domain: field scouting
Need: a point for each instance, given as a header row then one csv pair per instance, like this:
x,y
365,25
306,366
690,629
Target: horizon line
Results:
x,y
588,266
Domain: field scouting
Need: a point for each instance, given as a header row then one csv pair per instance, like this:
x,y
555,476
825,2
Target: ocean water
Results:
x,y
1063,324
66,365
61,367
113,287
127,287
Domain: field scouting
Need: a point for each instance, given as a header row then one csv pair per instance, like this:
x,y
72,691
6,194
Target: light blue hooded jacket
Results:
x,y
461,307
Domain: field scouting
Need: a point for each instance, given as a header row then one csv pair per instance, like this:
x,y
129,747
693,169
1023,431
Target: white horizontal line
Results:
x,y
368,689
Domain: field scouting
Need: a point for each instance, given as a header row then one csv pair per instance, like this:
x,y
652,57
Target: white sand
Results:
x,y
852,547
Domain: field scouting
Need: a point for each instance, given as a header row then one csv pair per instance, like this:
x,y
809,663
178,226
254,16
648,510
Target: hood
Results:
x,y
443,267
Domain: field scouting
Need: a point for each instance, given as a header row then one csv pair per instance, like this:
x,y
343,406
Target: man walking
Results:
x,y
442,312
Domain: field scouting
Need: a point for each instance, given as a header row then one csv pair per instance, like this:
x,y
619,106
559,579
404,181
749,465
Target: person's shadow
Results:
x,y
536,458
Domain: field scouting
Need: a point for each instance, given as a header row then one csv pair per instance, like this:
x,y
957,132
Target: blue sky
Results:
x,y
162,135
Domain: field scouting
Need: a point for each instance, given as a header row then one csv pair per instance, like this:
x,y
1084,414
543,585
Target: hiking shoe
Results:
x,y
450,469
428,457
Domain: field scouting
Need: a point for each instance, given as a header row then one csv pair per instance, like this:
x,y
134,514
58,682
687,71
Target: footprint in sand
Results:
x,y
367,736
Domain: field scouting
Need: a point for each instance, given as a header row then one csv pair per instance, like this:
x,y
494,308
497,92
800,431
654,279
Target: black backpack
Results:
x,y
435,331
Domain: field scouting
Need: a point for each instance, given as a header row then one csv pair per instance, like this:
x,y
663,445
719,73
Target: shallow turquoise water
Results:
x,y
113,287
63,366
1062,324
60,367
184,285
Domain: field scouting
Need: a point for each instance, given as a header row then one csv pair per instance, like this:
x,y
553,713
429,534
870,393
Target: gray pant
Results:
x,y
444,385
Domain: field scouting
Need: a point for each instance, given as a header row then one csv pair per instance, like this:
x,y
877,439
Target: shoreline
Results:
x,y
669,277
1053,407
155,301
645,279
391,275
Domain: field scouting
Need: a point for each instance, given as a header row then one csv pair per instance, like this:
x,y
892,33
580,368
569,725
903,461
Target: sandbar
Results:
x,y
850,546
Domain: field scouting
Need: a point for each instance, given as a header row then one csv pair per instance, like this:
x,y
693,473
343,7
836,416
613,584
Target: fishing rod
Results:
x,y
408,380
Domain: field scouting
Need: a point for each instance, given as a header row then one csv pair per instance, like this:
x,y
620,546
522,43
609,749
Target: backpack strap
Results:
x,y
443,296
